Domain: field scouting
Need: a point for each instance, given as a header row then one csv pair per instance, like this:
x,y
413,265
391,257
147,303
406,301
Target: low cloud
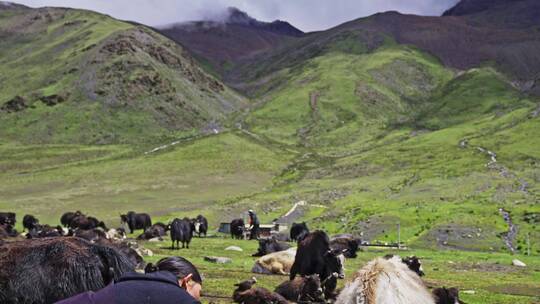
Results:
x,y
308,15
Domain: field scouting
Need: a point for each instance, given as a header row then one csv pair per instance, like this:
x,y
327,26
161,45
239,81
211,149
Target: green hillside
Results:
x,y
105,116
72,76
396,137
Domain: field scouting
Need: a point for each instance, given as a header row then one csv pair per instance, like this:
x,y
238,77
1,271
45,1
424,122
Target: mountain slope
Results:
x,y
520,14
78,76
504,36
393,136
224,43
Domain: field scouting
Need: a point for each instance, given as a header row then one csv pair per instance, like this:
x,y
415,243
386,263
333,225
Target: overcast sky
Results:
x,y
307,15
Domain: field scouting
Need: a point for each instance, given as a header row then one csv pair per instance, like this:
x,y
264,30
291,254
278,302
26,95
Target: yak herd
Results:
x,y
46,264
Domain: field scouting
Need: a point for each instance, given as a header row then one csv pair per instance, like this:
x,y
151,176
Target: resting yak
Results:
x,y
51,269
270,245
44,231
386,280
305,289
245,293
157,230
275,263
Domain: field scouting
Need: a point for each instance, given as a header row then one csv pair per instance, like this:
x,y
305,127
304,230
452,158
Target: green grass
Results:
x,y
105,181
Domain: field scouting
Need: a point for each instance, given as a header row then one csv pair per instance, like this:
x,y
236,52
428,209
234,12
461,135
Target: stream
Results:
x,y
511,234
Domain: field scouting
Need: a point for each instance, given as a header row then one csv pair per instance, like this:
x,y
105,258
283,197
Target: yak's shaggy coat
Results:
x,y
275,263
384,281
51,269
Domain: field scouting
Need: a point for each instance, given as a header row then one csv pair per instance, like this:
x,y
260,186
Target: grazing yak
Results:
x,y
305,289
246,294
237,229
275,263
386,280
157,230
270,245
41,271
201,225
136,221
181,231
29,222
314,256
349,245
299,231
443,295
8,218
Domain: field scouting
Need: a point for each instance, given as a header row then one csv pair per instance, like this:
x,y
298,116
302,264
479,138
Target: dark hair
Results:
x,y
178,266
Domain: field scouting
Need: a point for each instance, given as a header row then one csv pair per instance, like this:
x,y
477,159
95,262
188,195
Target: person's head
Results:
x,y
187,274
250,211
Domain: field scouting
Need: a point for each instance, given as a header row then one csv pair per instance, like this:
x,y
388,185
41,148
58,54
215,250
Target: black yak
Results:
x,y
237,228
51,269
245,294
445,295
270,245
314,256
157,230
67,217
8,218
305,289
349,245
201,225
136,221
299,231
29,222
181,232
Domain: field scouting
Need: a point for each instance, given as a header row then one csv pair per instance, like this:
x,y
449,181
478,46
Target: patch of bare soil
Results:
x,y
14,105
454,236
486,267
374,227
516,289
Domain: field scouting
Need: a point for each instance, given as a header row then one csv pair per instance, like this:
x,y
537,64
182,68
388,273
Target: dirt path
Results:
x,y
511,234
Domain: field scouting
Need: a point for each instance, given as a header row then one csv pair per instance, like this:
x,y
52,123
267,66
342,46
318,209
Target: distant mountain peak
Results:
x,y
7,4
236,16
469,7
